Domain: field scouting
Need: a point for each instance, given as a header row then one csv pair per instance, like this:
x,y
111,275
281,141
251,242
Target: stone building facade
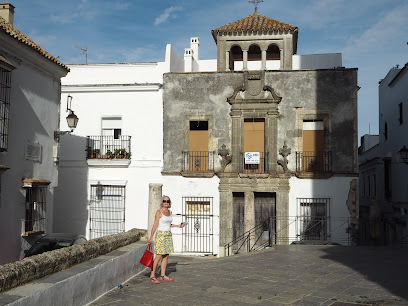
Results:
x,y
279,114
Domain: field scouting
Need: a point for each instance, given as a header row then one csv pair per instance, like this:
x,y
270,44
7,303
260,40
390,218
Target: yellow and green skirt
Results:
x,y
163,243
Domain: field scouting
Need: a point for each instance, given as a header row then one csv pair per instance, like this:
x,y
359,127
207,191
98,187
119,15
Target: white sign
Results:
x,y
252,158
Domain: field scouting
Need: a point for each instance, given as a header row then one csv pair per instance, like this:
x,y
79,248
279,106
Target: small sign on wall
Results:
x,y
33,151
252,158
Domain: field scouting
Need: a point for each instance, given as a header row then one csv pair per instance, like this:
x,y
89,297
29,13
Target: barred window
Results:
x,y
107,210
313,215
35,211
5,88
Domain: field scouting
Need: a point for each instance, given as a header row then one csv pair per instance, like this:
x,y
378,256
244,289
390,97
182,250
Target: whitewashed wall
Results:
x,y
336,189
34,115
390,96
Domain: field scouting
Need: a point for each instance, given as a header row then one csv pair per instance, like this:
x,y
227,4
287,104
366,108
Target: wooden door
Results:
x,y
313,146
198,156
254,141
265,207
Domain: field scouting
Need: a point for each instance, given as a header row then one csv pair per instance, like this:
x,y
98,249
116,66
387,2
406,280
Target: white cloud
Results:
x,y
167,14
379,35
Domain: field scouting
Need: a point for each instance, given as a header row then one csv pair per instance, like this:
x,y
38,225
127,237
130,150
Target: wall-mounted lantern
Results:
x,y
72,120
404,154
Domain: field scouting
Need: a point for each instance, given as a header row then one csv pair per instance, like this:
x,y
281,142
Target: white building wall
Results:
x,y
316,61
34,116
336,189
390,96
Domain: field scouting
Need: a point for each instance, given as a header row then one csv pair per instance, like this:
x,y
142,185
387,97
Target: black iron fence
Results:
x,y
198,161
108,147
314,161
261,167
294,230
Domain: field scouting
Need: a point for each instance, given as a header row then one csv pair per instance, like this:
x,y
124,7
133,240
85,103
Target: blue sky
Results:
x,y
371,34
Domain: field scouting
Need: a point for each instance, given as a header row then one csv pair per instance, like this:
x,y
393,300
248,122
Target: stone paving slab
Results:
x,y
283,275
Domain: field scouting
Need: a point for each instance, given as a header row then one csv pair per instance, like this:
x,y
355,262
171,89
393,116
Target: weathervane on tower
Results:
x,y
256,2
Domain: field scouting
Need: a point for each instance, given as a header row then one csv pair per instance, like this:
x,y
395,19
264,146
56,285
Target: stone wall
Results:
x,y
38,266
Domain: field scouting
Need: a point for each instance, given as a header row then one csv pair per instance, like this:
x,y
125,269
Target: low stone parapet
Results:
x,y
39,266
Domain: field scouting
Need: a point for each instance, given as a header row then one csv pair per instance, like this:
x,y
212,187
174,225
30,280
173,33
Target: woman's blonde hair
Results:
x,y
161,205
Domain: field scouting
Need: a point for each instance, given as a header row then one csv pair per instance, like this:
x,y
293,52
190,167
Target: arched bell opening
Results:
x,y
236,58
254,57
273,57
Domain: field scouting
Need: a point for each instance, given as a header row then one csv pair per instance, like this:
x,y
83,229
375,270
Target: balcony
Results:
x,y
314,161
108,147
260,168
198,161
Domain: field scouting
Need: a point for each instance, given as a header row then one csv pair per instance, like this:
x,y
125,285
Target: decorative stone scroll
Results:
x,y
285,151
226,157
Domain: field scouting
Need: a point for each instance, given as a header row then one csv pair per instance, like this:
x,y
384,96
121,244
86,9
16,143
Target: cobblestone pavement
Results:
x,y
282,275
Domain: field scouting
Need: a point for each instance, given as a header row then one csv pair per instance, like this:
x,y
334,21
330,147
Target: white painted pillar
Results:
x,y
245,59
264,59
227,60
281,59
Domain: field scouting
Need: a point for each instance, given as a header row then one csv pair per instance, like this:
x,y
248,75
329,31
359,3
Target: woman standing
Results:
x,y
164,241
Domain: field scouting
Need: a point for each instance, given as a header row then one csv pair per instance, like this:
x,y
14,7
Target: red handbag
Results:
x,y
147,258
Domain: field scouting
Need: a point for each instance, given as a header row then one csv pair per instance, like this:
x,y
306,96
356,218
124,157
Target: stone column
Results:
x,y
227,61
249,214
282,215
226,218
155,199
263,59
236,143
245,59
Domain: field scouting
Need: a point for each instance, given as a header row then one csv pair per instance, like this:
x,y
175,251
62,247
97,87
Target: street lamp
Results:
x,y
404,154
72,120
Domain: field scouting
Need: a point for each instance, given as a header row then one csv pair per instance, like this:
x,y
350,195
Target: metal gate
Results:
x,y
106,210
198,233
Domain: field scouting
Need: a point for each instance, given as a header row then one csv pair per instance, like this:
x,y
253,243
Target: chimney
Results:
x,y
195,46
7,12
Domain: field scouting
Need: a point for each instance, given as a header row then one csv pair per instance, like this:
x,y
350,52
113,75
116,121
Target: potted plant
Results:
x,y
109,154
95,153
116,153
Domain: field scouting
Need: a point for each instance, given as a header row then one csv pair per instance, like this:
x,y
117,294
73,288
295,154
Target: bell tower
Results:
x,y
255,43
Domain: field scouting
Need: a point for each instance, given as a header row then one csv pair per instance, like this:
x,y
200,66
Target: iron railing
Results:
x,y
108,147
293,230
255,239
314,161
262,167
198,161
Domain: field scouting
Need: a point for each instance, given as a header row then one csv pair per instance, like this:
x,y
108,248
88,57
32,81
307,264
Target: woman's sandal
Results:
x,y
154,280
166,278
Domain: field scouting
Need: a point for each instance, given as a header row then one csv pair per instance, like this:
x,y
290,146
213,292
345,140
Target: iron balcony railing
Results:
x,y
108,147
262,167
314,161
198,161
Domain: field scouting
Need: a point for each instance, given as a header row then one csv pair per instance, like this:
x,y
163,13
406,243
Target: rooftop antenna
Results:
x,y
84,50
256,2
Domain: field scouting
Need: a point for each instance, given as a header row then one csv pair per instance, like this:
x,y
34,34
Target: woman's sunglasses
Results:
x,y
166,201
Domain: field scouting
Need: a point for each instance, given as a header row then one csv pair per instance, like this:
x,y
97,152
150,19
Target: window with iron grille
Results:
x,y
313,216
107,210
35,211
5,88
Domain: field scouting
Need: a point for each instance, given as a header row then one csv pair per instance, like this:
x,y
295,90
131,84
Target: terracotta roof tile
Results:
x,y
253,24
15,33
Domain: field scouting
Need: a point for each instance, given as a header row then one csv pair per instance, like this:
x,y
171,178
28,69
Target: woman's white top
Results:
x,y
165,222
